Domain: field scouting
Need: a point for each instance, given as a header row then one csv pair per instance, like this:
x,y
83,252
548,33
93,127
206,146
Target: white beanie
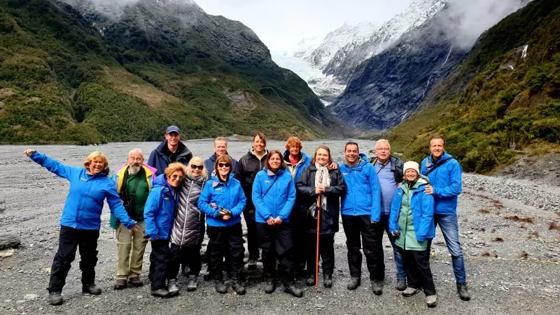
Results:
x,y
413,165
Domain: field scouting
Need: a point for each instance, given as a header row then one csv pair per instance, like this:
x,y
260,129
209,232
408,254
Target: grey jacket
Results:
x,y
188,226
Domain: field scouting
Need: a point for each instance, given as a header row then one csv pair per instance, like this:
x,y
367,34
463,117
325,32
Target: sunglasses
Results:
x,y
175,177
194,167
224,165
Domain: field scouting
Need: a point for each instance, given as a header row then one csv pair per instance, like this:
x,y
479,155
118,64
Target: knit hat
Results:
x,y
411,165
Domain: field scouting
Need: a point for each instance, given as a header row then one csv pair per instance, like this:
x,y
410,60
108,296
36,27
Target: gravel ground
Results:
x,y
509,233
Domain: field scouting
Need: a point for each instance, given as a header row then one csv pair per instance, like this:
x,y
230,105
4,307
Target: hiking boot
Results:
x,y
192,283
91,289
354,283
120,284
463,291
401,284
310,281
55,298
135,282
172,287
327,281
252,264
162,293
377,287
238,287
409,291
220,286
269,286
293,290
431,300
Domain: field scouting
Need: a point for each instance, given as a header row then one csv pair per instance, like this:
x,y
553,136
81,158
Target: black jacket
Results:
x,y
396,167
306,187
247,168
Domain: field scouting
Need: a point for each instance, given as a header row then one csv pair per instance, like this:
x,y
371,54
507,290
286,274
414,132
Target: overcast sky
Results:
x,y
281,24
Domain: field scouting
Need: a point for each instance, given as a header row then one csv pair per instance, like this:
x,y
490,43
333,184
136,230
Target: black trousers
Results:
x,y
417,268
252,241
159,261
326,253
225,242
371,242
186,256
299,247
69,240
277,250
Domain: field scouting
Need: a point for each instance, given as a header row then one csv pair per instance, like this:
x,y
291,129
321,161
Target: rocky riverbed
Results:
x,y
510,230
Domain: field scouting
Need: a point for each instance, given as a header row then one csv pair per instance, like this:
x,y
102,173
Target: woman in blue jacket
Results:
x,y
159,213
274,194
411,221
81,218
223,200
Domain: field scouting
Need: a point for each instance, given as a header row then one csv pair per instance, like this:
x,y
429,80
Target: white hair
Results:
x,y
382,141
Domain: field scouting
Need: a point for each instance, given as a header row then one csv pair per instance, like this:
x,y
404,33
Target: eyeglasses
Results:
x,y
177,177
224,165
194,167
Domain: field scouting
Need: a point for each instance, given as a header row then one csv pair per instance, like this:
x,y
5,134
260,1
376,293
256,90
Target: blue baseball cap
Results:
x,y
171,129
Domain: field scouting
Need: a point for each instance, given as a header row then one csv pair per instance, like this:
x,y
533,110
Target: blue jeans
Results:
x,y
401,274
450,230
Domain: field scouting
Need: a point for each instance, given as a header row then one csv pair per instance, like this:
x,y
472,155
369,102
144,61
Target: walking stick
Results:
x,y
317,246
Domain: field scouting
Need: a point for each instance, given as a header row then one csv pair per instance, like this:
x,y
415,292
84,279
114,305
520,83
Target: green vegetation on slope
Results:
x,y
509,103
62,82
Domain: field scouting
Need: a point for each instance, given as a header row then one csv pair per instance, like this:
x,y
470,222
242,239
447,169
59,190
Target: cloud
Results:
x,y
467,19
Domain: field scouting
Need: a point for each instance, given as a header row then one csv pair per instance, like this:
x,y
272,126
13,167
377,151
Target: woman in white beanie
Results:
x,y
412,222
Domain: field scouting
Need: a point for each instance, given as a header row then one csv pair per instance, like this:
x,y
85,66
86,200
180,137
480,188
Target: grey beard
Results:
x,y
133,169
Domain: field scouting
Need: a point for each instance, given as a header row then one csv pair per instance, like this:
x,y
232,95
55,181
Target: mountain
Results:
x,y
343,49
501,101
87,72
387,87
348,57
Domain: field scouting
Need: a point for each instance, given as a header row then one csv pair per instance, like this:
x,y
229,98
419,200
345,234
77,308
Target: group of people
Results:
x,y
291,204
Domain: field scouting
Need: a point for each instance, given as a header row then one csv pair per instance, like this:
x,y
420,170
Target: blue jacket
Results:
x,y
84,203
446,182
228,195
211,161
363,196
273,195
159,210
422,206
159,158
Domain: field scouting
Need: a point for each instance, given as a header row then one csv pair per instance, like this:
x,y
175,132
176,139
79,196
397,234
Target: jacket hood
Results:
x,y
360,165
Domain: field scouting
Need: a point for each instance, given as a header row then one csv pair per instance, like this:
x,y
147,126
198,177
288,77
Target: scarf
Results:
x,y
322,178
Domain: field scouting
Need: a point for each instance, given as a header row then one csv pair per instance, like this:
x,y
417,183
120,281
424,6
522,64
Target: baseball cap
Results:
x,y
171,129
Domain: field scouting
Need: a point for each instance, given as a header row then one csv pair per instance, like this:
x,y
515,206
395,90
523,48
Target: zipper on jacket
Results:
x,y
186,214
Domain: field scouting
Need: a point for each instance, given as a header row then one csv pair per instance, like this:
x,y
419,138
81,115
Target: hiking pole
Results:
x,y
317,246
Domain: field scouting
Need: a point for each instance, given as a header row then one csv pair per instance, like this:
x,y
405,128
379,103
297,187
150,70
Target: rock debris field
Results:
x,y
510,231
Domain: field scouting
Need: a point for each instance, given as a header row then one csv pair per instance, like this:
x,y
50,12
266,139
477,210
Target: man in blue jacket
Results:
x,y
361,215
220,148
169,151
445,185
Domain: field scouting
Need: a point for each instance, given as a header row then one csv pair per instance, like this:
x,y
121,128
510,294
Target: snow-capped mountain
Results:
x,y
343,49
345,60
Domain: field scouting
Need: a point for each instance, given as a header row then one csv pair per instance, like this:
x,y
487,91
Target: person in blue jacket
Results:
x,y
445,185
361,215
223,200
411,221
274,195
159,213
81,218
296,162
